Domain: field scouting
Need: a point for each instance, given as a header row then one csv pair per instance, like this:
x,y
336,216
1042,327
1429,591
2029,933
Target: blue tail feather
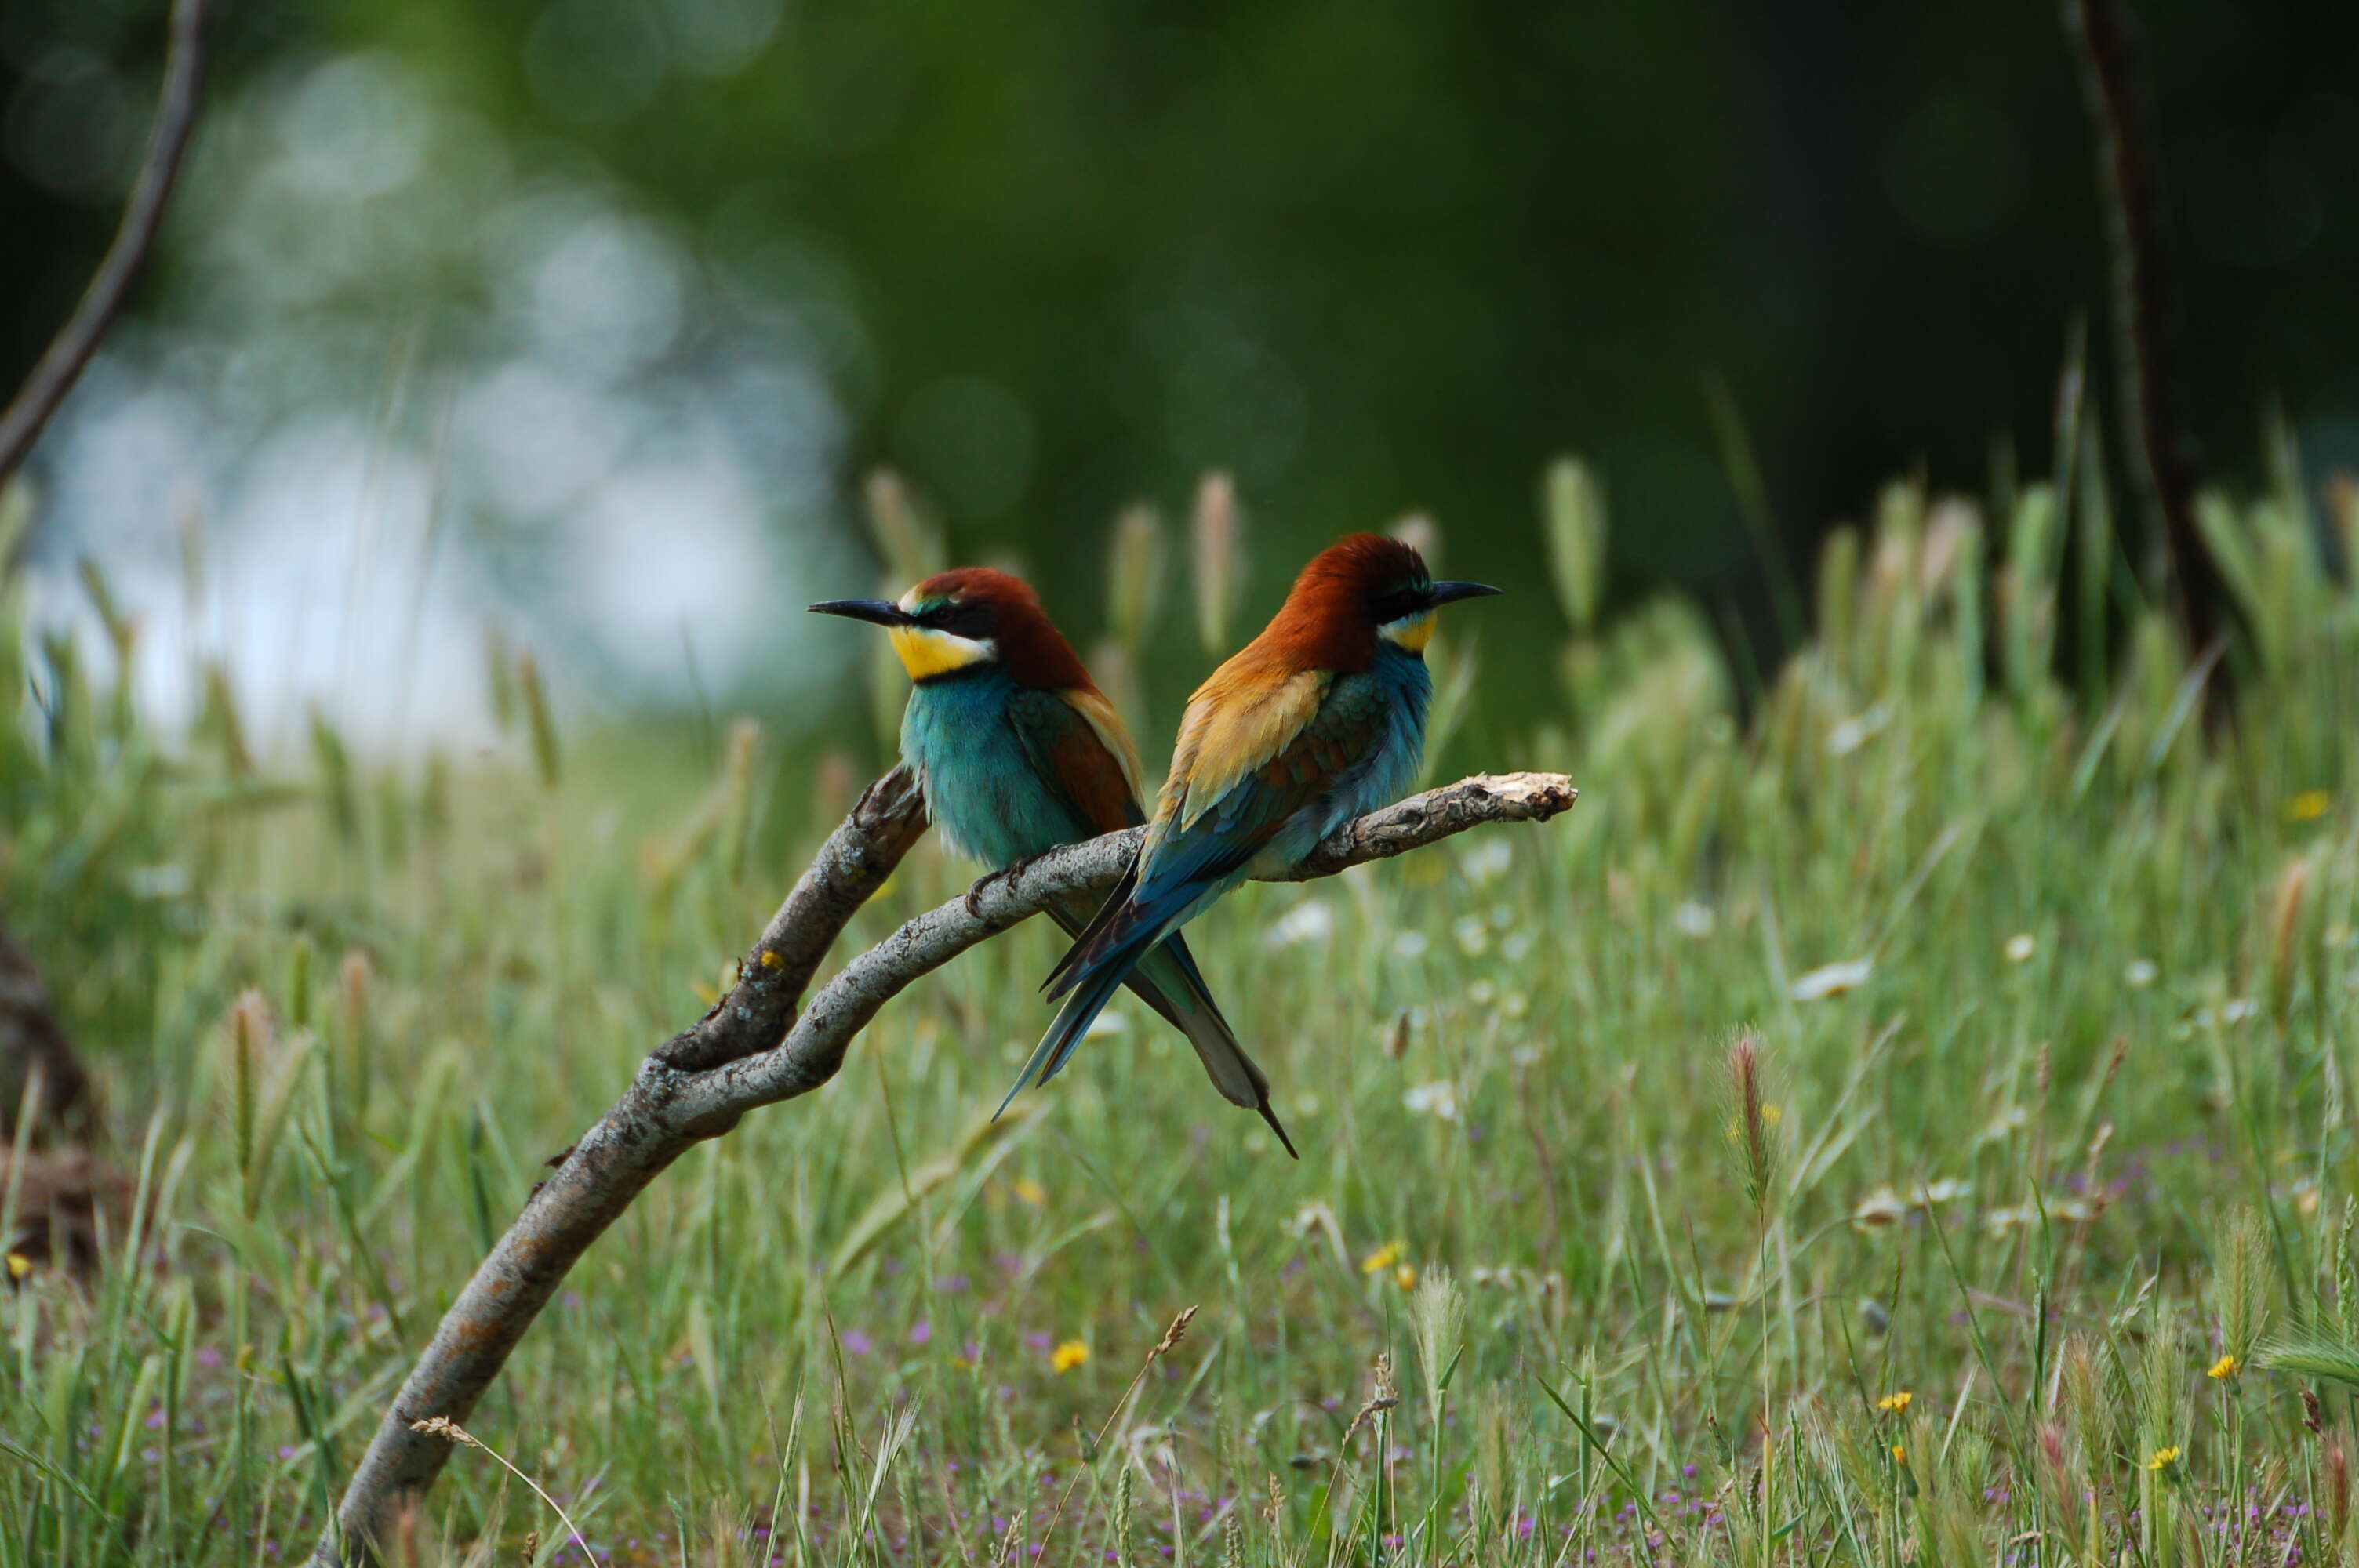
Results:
x,y
1091,989
1125,928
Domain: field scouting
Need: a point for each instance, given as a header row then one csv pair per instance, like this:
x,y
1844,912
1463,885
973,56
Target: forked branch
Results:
x,y
754,1049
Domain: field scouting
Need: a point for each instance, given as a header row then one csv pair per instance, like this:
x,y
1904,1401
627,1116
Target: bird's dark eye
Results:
x,y
973,621
1405,600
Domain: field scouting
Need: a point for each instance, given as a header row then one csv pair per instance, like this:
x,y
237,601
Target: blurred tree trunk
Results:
x,y
31,1042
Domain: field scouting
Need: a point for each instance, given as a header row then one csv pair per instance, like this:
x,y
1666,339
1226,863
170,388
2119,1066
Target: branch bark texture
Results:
x,y
61,365
755,1048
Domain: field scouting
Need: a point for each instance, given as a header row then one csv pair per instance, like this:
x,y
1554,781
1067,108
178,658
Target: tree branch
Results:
x,y
61,365
845,873
2145,312
698,1085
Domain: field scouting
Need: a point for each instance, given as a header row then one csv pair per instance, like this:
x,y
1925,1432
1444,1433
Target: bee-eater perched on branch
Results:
x,y
1316,721
1018,751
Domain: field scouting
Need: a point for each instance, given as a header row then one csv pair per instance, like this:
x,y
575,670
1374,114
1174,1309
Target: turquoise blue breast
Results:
x,y
1396,689
964,736
1388,701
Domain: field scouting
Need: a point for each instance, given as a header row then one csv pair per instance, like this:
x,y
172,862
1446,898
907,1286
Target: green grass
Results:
x,y
2080,1124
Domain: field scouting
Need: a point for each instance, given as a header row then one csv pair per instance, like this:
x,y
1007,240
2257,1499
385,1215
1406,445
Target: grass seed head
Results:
x,y
2289,899
1215,533
1009,1542
1436,1318
1573,507
443,1426
2243,1290
1384,1397
1175,1333
1135,573
1753,1121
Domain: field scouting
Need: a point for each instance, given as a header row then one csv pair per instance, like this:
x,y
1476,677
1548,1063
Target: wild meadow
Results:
x,y
1904,1114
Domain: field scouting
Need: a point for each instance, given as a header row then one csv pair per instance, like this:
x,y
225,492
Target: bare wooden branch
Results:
x,y
671,1106
845,873
143,216
2162,452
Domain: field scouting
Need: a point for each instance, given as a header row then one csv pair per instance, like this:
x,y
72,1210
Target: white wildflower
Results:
x,y
1487,860
1473,937
1880,1208
1694,919
1438,1099
1310,921
1833,979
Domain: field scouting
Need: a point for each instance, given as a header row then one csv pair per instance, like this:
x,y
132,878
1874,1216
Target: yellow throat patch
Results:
x,y
1411,632
925,652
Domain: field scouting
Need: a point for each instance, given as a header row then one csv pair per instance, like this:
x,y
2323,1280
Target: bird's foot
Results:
x,y
1006,873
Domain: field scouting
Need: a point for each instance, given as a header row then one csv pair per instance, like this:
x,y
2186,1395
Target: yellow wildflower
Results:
x,y
2223,1368
1895,1403
1031,1192
1381,1258
1068,1356
19,1265
1406,1276
2309,805
1899,1455
2163,1458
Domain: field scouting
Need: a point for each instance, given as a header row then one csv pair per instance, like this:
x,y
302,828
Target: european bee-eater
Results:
x,y
1316,721
1018,751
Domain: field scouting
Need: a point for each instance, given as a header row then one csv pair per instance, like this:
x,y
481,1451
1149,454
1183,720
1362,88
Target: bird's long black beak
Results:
x,y
1447,592
879,611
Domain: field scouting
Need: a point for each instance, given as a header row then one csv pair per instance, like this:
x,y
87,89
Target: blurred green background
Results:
x,y
583,318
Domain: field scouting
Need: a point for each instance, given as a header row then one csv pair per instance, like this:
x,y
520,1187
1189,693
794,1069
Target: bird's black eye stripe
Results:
x,y
973,621
1400,601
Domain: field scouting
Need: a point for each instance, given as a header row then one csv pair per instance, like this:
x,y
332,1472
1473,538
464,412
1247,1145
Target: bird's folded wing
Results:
x,y
1237,722
1217,833
1077,745
1113,735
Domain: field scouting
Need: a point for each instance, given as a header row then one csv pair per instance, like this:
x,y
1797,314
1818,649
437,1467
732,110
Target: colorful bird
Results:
x,y
1018,751
1316,721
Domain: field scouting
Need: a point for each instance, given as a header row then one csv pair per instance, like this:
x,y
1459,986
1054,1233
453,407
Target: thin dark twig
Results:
x,y
2145,309
63,363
